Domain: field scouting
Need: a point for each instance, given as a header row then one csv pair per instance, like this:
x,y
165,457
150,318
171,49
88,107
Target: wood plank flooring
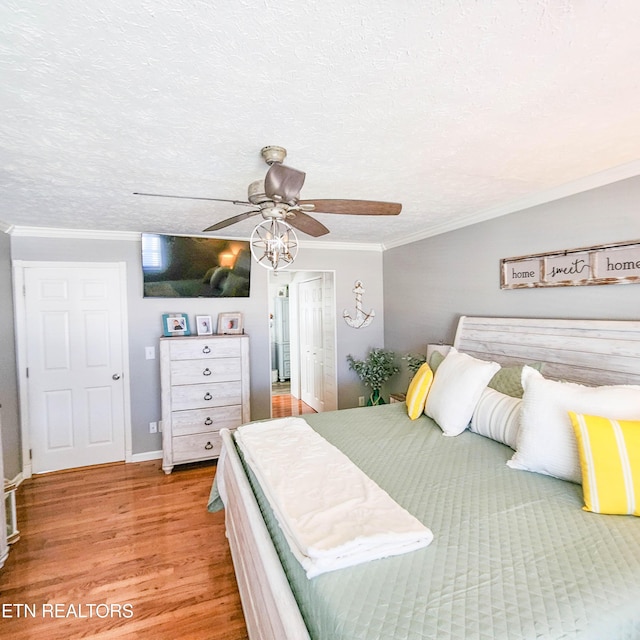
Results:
x,y
136,544
286,405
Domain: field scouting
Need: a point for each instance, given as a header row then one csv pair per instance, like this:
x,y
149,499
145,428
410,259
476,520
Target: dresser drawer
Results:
x,y
213,370
196,447
202,420
209,394
207,348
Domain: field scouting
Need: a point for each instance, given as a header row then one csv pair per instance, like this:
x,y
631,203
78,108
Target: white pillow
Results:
x,y
547,443
497,416
458,383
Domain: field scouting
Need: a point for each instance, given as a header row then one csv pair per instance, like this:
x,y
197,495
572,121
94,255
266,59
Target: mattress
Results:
x,y
513,555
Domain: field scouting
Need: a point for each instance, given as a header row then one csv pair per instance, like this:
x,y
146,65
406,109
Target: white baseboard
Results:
x,y
146,456
18,480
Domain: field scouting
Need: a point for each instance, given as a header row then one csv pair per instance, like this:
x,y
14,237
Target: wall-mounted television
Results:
x,y
193,267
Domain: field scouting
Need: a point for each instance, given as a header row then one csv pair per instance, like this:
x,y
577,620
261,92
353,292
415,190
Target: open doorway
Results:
x,y
302,316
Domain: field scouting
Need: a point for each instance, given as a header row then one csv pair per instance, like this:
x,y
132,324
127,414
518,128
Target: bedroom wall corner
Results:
x,y
8,372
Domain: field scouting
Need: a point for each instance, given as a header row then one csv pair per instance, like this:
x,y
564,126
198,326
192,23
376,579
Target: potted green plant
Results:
x,y
414,362
374,371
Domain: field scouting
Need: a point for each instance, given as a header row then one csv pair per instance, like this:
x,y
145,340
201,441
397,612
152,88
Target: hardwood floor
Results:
x,y
120,551
286,405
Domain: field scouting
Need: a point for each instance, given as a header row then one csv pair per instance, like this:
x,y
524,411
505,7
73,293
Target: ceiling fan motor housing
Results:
x,y
256,193
273,154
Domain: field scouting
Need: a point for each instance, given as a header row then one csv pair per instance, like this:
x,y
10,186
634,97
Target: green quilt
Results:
x,y
513,557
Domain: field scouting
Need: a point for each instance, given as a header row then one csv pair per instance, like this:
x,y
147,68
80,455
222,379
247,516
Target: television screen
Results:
x,y
192,267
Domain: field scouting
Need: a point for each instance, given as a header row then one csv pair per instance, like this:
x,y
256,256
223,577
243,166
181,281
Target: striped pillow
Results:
x,y
418,391
497,416
610,462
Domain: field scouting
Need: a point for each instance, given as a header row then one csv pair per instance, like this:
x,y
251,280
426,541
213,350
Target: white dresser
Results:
x,y
205,388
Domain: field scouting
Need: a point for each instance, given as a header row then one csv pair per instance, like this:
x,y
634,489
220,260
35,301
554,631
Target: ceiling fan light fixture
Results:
x,y
274,244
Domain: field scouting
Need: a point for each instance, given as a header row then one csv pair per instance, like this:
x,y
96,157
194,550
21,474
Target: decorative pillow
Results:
x,y
497,416
610,463
546,443
418,390
508,380
456,389
435,359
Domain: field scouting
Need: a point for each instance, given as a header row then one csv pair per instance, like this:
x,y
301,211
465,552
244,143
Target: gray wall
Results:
x,y
145,325
8,376
418,292
430,283
348,267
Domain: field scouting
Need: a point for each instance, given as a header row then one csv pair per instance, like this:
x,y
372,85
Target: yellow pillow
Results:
x,y
610,463
418,390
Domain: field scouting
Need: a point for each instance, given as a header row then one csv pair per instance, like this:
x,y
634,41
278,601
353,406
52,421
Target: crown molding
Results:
x,y
134,236
5,227
601,179
73,234
341,246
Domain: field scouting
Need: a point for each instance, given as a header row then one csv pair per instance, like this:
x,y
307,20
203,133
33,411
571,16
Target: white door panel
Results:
x,y
311,343
74,354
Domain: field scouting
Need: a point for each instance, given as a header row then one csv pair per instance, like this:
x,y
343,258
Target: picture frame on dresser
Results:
x,y
175,324
204,325
230,323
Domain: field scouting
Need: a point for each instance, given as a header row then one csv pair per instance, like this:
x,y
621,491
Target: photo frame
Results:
x,y
175,324
204,325
230,323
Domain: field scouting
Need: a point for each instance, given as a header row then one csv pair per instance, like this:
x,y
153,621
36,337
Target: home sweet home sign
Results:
x,y
605,264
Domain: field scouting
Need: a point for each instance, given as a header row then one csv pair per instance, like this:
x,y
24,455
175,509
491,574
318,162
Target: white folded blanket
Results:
x,y
332,514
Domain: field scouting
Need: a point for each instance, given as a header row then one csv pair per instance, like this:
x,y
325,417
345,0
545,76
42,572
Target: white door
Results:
x,y
311,343
74,358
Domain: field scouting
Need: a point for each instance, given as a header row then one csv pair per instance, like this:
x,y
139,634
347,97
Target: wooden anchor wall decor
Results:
x,y
361,319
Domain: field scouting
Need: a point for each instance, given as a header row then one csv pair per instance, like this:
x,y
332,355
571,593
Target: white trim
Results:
x,y
133,236
18,480
342,246
19,267
601,179
145,456
74,234
580,185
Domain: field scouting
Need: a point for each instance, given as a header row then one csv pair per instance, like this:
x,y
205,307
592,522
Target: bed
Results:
x,y
514,555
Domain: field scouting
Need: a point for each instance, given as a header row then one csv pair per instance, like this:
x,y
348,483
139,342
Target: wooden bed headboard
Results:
x,y
592,352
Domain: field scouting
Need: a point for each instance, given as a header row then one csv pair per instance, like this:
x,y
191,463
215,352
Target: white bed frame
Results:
x,y
592,352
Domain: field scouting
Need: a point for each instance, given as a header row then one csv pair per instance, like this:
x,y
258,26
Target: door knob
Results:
x,y
116,376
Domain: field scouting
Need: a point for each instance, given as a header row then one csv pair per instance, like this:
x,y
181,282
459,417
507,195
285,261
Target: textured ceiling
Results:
x,y
460,110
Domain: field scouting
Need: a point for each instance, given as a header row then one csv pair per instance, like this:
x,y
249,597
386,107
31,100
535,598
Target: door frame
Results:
x,y
294,338
19,267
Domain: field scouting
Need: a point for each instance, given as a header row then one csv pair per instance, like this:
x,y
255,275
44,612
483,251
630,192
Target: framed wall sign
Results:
x,y
605,264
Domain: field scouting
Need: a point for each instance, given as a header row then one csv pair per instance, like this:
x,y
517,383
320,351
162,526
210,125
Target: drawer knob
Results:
x,y
206,372
206,349
208,421
208,396
208,446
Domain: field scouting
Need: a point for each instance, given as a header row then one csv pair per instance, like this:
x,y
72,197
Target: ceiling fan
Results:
x,y
277,199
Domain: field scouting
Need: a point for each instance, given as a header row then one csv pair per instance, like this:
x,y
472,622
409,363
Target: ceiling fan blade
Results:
x,y
307,224
284,182
355,207
229,221
164,195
